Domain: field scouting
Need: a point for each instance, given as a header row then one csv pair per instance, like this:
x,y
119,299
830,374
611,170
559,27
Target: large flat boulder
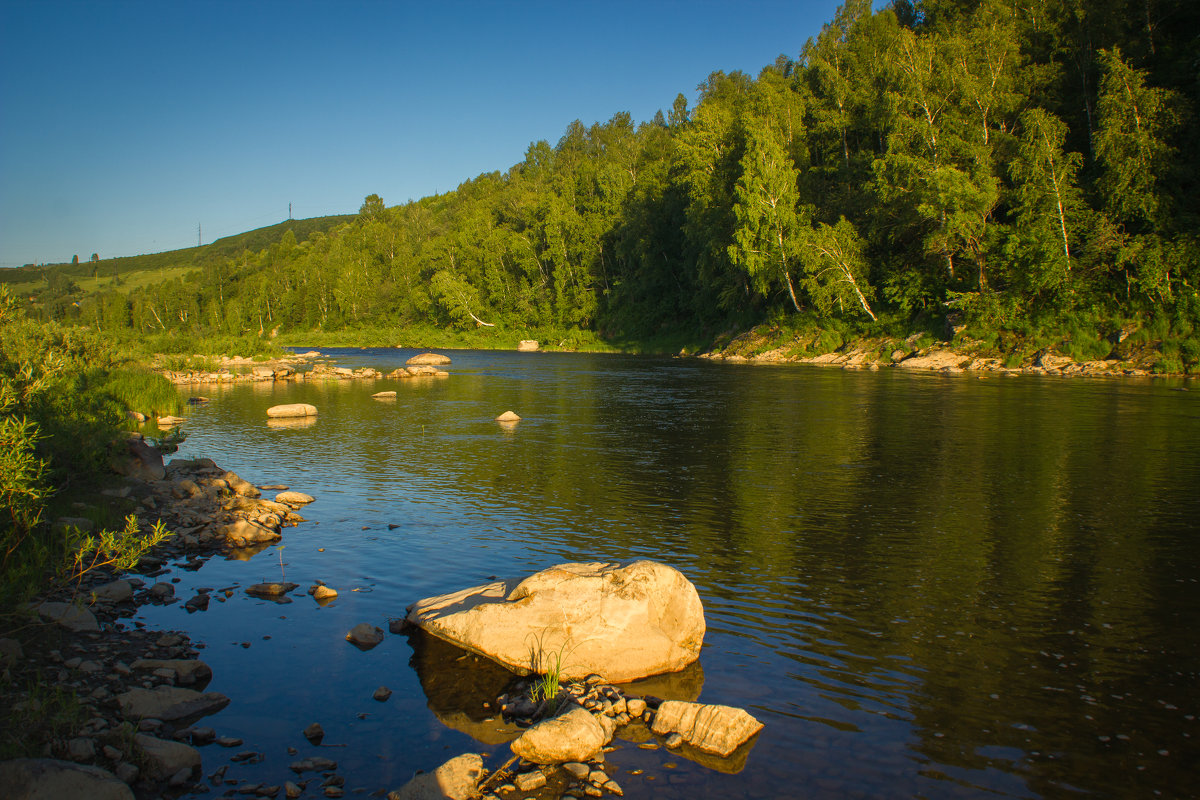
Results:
x,y
169,703
435,359
292,410
49,779
622,621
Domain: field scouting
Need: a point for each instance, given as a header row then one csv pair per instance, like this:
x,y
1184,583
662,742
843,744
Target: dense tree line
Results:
x,y
1008,158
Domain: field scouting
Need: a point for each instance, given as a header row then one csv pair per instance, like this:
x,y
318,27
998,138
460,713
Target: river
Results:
x,y
923,585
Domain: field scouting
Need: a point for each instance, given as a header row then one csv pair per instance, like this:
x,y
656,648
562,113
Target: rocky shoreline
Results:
x,y
247,370
938,357
134,710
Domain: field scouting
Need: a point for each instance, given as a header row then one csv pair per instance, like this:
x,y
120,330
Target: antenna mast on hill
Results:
x,y
289,212
199,240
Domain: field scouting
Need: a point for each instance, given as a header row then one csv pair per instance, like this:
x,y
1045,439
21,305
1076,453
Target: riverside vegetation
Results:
x,y
1026,171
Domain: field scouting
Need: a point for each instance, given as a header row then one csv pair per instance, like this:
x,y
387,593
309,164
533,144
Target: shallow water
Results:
x,y
924,585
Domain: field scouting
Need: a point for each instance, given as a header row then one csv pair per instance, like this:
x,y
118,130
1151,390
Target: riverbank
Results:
x,y
920,352
100,702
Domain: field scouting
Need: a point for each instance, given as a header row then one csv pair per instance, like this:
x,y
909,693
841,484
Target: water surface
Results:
x,y
924,585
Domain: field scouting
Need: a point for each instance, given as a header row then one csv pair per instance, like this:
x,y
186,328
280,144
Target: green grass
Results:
x,y
139,389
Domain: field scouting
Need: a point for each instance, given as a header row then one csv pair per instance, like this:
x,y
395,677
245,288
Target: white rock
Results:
x,y
622,621
428,358
714,729
574,736
292,410
454,780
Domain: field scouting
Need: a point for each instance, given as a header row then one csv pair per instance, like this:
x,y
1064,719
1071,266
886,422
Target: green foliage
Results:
x,y
548,667
139,389
46,712
118,550
978,156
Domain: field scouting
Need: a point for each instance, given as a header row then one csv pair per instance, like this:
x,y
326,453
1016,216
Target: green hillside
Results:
x,y
143,270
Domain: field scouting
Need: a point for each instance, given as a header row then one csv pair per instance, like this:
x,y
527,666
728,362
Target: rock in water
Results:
x,y
714,729
245,532
454,780
508,416
49,779
294,498
623,621
271,590
364,636
434,359
575,736
292,410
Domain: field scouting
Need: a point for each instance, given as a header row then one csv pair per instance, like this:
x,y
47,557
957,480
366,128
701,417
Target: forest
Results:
x,y
1015,163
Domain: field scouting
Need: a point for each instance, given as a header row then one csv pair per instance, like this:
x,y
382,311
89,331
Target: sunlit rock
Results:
x,y
364,636
714,729
454,780
435,359
508,416
573,736
622,621
292,410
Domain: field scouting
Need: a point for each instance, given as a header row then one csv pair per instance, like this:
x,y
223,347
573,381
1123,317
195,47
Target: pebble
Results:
x,y
528,781
314,733
382,693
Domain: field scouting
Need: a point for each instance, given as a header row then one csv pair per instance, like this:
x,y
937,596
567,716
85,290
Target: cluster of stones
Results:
x,y
208,508
140,691
244,370
944,359
562,752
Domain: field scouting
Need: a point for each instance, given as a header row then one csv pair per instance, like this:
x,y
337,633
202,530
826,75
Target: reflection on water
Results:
x,y
923,585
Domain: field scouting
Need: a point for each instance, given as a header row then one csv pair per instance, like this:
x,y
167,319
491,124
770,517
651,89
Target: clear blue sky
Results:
x,y
124,125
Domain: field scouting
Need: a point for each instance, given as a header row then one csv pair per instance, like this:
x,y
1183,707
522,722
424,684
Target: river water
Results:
x,y
924,585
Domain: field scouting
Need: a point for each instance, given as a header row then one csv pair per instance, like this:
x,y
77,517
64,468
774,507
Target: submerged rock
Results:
x,y
364,636
271,591
623,621
714,729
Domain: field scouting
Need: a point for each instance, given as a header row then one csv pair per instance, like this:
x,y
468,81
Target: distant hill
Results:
x,y
172,262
